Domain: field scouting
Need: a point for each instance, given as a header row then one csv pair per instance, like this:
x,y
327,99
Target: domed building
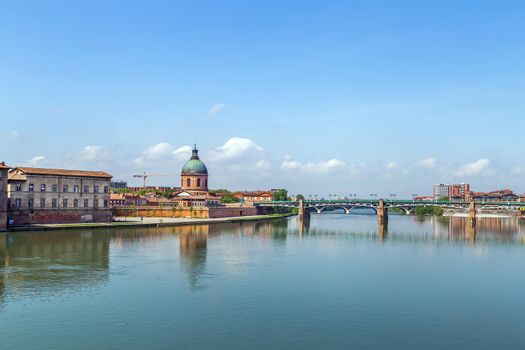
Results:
x,y
194,175
194,184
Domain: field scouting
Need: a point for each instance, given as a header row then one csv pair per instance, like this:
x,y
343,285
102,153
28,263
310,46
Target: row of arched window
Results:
x,y
198,184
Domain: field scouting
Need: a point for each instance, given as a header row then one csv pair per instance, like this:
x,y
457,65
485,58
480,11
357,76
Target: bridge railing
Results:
x,y
392,201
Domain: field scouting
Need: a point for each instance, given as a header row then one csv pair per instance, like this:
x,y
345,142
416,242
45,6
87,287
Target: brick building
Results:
x,y
505,195
38,195
3,196
254,196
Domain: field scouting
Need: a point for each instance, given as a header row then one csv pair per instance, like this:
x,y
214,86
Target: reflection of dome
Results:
x,y
194,165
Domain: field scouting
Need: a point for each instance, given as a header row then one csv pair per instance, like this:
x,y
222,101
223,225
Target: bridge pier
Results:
x,y
382,213
302,213
347,210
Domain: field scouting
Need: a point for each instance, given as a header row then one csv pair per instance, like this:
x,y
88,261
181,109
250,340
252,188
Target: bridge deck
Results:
x,y
390,202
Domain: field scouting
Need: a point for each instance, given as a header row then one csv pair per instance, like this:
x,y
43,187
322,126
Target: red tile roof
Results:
x,y
63,172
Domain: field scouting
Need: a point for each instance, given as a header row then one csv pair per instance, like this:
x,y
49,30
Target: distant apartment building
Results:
x,y
118,184
38,195
440,190
457,191
3,196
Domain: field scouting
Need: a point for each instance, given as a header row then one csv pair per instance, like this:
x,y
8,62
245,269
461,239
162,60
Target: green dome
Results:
x,y
194,165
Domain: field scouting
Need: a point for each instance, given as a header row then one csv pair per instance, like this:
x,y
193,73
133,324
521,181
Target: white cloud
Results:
x,y
37,160
235,147
183,152
289,164
92,153
13,135
428,163
474,168
313,167
216,108
157,151
263,164
323,166
392,165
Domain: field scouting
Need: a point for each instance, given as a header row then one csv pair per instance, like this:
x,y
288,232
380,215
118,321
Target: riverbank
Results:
x,y
146,222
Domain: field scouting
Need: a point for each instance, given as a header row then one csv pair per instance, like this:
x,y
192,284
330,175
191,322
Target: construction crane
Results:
x,y
145,176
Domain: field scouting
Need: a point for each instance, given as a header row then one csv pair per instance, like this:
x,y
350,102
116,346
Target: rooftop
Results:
x,y
59,172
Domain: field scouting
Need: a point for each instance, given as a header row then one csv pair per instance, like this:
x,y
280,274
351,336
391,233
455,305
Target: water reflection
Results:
x,y
52,261
503,230
69,260
193,243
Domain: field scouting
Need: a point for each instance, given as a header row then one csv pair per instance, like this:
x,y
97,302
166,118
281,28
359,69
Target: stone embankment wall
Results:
x,y
61,216
198,212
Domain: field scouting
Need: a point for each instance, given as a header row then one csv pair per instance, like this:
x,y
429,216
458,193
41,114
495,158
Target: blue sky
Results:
x,y
317,96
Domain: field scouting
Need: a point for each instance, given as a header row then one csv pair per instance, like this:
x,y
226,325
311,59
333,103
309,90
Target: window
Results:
x,y
42,187
188,182
64,202
105,203
54,203
65,189
106,189
206,183
95,203
86,203
18,187
86,189
54,188
30,203
42,202
198,182
95,189
18,203
76,189
31,187
75,203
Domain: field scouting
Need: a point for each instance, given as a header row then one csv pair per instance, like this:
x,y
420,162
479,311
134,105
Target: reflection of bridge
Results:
x,y
381,207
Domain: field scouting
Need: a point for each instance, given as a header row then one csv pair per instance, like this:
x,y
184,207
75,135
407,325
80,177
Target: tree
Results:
x,y
228,198
300,197
280,195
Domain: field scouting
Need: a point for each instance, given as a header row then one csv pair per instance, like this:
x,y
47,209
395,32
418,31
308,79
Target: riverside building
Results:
x,y
38,195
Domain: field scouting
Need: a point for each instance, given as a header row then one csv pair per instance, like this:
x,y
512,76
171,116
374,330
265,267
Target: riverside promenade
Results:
x,y
144,222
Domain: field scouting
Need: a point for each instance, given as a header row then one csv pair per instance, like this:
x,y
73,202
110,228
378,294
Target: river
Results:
x,y
424,284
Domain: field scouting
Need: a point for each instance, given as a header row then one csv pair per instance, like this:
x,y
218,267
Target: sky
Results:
x,y
319,97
